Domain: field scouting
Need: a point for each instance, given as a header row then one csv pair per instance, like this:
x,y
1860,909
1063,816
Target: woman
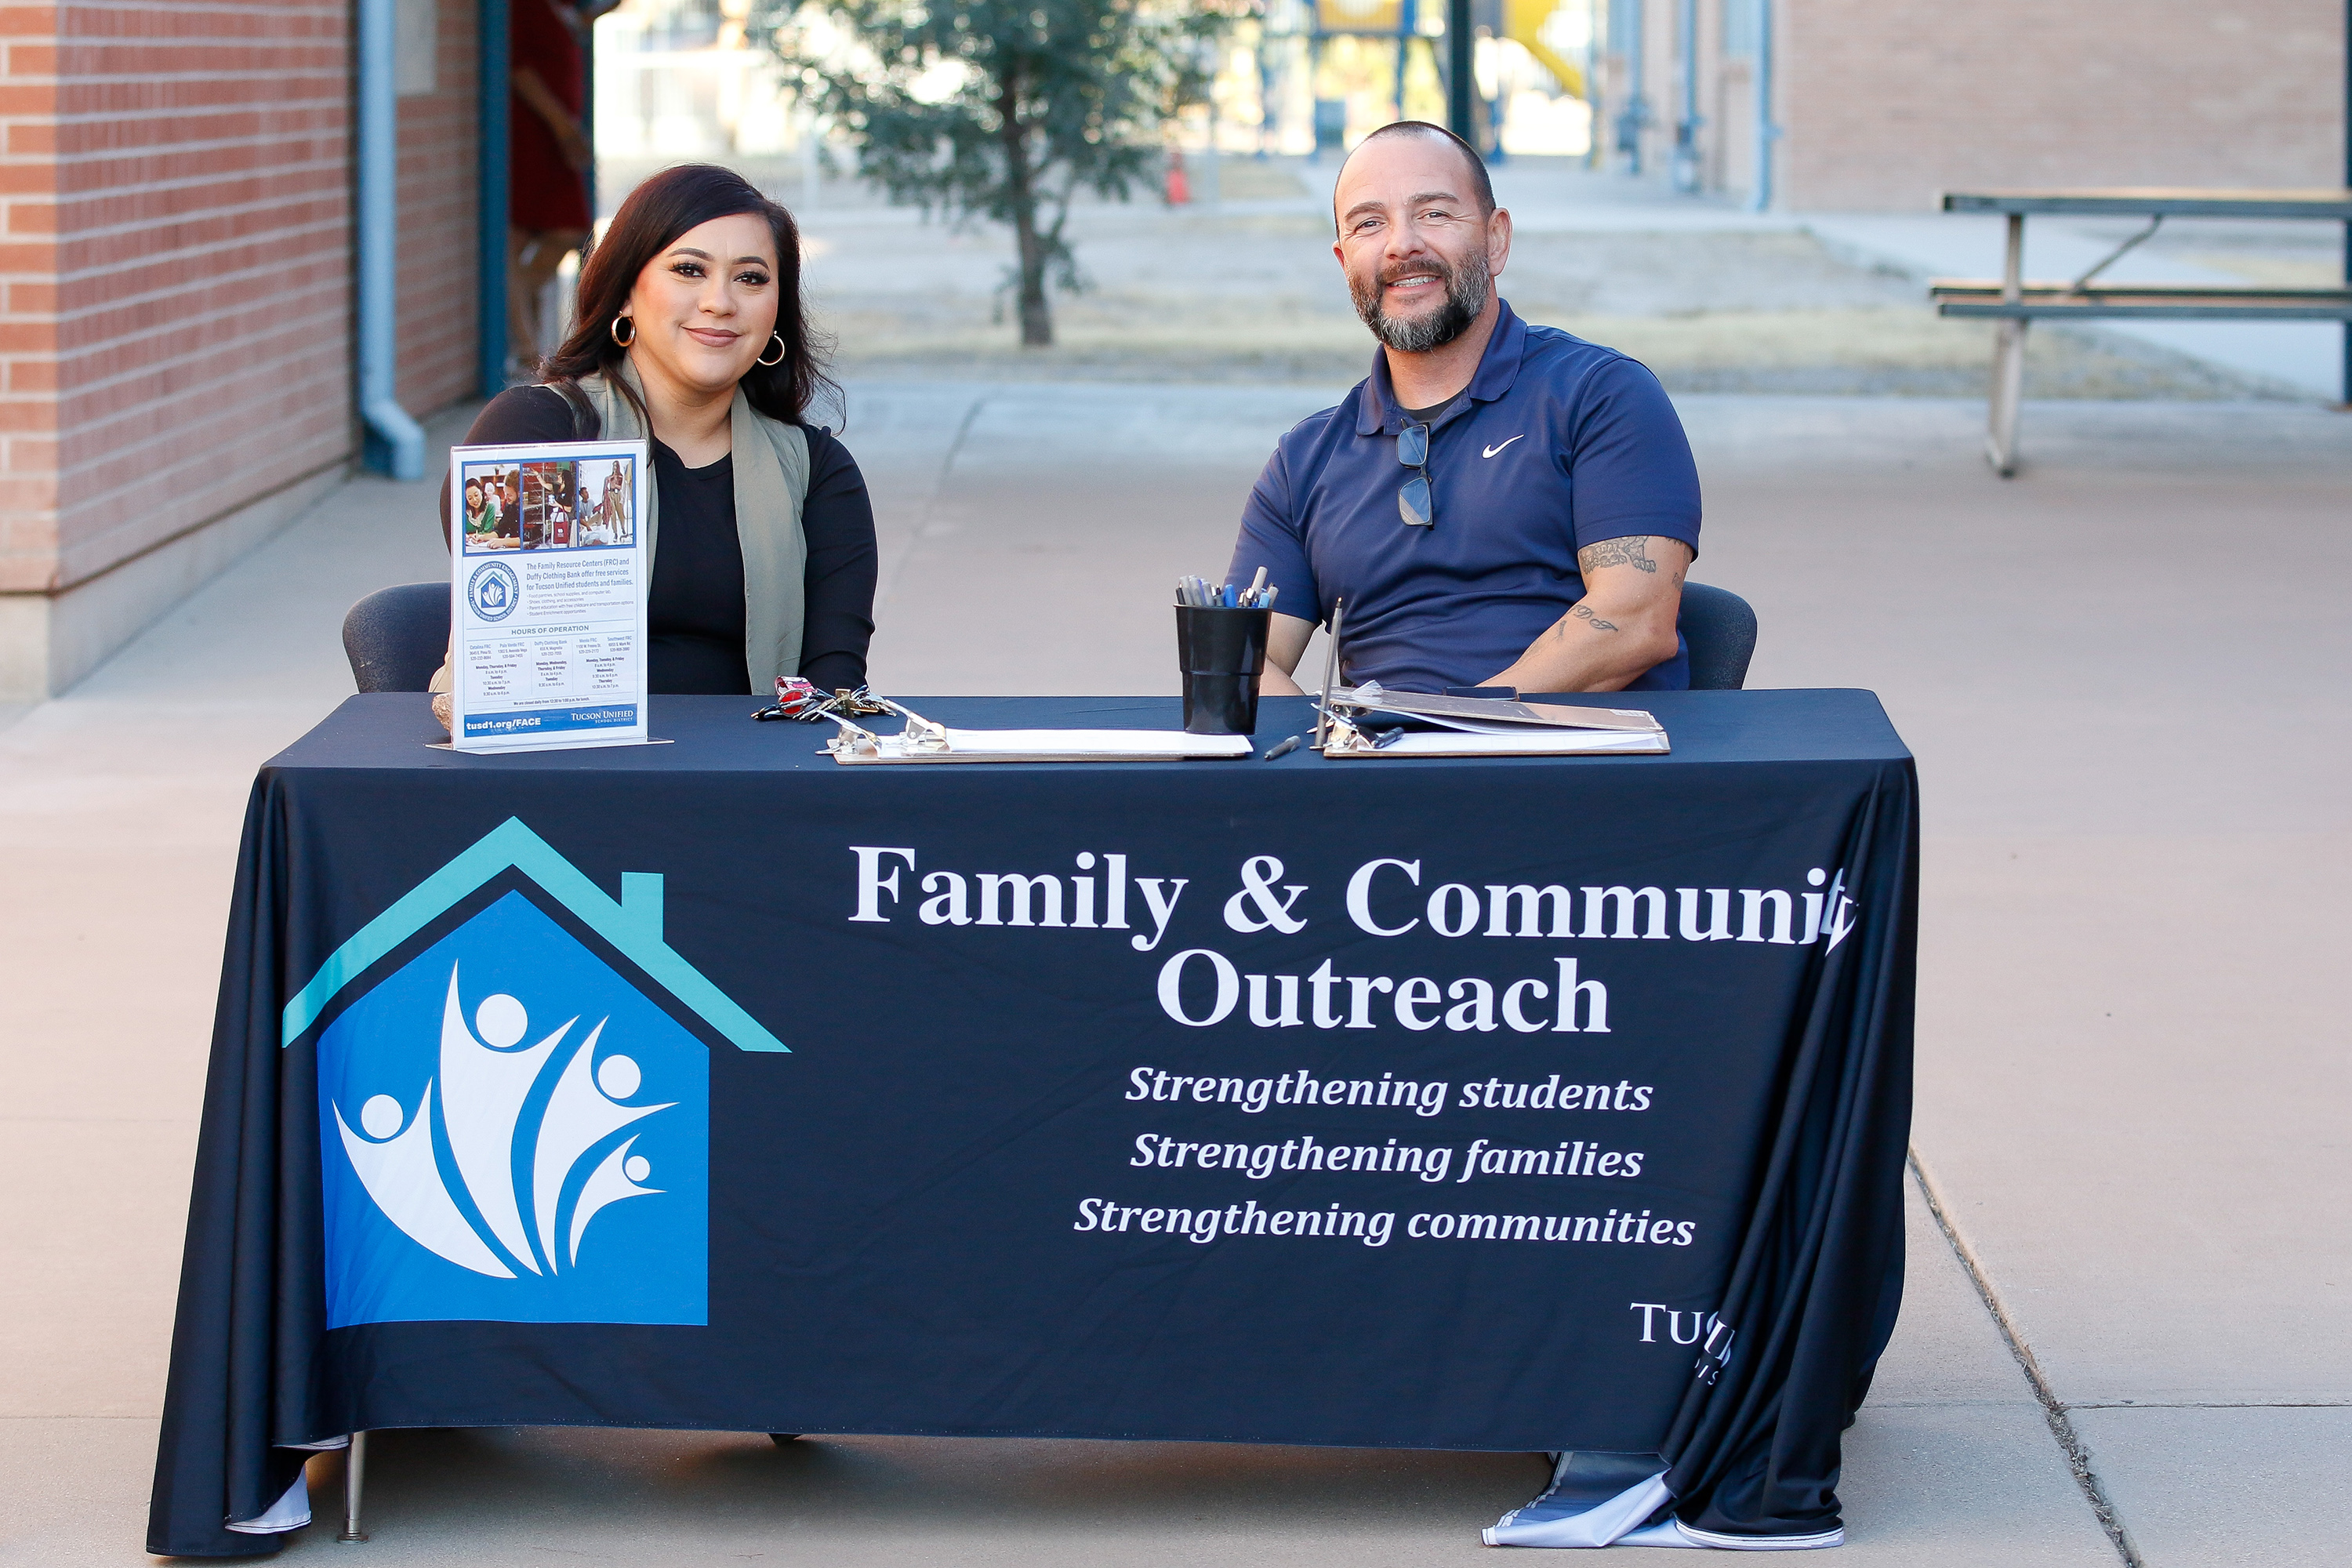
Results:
x,y
692,334
481,515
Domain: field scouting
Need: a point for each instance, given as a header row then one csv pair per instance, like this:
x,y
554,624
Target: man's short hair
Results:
x,y
1481,186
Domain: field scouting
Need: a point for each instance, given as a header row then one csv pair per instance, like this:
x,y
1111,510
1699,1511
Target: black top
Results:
x,y
694,613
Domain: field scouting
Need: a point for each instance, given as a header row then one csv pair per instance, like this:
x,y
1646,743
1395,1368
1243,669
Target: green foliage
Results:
x,y
998,109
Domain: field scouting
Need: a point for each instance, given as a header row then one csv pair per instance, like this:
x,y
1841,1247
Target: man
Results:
x,y
1498,504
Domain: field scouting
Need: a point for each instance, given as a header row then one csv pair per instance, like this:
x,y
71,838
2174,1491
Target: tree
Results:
x,y
998,109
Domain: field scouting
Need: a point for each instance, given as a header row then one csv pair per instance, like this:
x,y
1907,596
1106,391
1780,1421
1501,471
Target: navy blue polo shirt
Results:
x,y
1558,445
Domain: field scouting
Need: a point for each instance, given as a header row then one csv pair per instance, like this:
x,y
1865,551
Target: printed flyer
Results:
x,y
546,595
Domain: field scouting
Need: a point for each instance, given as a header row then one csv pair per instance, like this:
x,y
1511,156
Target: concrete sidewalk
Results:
x,y
2119,672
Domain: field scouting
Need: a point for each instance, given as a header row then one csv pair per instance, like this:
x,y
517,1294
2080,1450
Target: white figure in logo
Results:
x,y
486,1076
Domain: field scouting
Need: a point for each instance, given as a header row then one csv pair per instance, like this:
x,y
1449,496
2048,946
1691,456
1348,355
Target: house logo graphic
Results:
x,y
510,1129
493,591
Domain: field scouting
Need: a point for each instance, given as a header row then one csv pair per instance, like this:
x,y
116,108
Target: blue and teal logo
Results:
x,y
493,591
509,1129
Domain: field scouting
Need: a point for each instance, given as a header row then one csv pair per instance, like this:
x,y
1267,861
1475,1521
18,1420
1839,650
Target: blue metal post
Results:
x,y
1459,72
1634,118
1595,26
1406,21
1685,167
395,443
1768,130
490,199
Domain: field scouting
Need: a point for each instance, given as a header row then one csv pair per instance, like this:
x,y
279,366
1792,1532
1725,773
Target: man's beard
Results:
x,y
1466,296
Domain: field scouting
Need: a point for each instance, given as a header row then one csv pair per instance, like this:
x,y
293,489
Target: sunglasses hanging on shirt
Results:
x,y
1414,504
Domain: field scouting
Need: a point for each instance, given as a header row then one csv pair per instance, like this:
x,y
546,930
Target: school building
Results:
x,y
180,189
1878,105
199,337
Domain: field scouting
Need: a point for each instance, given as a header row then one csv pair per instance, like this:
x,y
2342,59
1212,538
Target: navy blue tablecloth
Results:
x,y
1531,1104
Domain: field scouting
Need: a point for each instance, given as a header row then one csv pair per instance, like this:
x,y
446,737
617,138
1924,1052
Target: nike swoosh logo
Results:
x,y
1492,450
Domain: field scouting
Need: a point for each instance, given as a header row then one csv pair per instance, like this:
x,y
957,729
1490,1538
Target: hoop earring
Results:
x,y
615,330
782,352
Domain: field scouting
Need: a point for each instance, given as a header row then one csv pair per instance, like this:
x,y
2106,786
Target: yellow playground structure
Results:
x,y
1523,24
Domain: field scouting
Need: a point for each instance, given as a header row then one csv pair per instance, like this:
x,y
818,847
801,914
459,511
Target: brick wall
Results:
x,y
175,267
1885,102
436,223
177,271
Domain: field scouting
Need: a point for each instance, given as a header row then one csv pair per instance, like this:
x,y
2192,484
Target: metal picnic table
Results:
x,y
2014,301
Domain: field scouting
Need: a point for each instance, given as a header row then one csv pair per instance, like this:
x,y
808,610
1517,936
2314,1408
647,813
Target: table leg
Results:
x,y
2008,357
354,1479
2007,384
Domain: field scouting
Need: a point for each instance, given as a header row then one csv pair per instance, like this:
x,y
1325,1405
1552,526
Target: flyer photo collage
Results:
x,y
567,503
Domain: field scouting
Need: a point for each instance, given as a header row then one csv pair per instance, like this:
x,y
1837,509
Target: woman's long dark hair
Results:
x,y
652,220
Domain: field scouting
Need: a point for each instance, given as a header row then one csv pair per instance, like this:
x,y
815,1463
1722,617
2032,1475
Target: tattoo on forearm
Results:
x,y
1632,552
1584,613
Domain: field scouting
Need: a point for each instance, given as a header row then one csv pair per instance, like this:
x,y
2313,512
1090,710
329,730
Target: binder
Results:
x,y
1483,726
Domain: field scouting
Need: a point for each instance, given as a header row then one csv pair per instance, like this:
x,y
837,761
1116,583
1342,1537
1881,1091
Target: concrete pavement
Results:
x,y
2120,672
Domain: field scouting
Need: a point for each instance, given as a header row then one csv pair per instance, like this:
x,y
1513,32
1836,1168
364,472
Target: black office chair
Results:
x,y
1721,631
397,637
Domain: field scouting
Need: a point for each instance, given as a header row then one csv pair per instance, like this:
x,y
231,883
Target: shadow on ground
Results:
x,y
686,1496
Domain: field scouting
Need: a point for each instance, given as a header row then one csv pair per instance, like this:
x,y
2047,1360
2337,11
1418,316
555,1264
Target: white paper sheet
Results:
x,y
1064,746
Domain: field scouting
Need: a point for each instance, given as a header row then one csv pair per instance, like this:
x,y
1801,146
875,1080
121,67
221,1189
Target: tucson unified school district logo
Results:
x,y
511,1129
493,591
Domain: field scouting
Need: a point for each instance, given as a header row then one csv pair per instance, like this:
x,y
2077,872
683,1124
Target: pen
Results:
x,y
1283,749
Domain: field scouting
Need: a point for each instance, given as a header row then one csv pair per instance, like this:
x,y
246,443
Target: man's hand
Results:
x,y
1285,645
1622,626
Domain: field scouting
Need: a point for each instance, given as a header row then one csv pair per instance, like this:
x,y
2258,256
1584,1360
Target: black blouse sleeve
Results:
x,y
517,416
837,519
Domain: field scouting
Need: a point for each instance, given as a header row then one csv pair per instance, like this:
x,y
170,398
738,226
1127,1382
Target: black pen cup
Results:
x,y
1222,654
